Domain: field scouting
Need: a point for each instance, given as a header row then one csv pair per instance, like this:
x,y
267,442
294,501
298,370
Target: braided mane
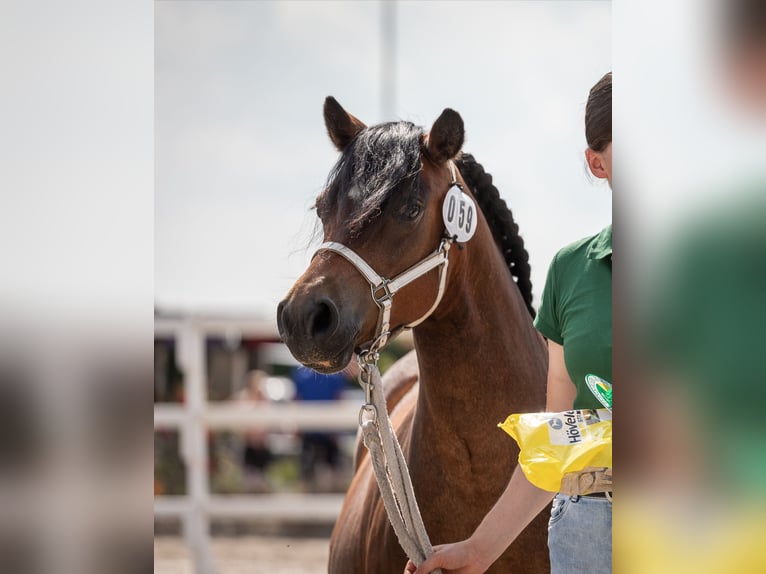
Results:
x,y
501,223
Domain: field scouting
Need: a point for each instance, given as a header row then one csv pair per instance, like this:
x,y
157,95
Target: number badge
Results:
x,y
459,214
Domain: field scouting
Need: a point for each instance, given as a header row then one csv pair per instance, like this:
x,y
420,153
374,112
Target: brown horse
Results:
x,y
478,356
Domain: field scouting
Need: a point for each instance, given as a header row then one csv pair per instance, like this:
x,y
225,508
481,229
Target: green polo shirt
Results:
x,y
576,311
705,333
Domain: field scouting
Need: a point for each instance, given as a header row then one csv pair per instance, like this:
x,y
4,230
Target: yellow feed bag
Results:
x,y
555,444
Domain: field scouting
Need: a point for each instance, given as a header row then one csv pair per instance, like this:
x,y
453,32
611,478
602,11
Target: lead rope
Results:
x,y
391,472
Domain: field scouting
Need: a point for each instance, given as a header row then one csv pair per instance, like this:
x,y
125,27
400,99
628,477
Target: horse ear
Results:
x,y
341,126
446,136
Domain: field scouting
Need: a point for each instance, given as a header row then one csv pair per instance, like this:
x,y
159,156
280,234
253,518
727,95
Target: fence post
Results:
x,y
196,522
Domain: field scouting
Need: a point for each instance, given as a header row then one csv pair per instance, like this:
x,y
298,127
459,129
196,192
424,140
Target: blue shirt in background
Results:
x,y
313,386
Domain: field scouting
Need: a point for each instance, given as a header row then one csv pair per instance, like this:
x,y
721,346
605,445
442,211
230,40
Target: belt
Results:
x,y
591,480
597,495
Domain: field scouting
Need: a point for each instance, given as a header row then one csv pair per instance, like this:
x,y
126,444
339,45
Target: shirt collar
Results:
x,y
601,246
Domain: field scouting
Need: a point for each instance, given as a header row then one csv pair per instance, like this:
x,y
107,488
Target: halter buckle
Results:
x,y
387,294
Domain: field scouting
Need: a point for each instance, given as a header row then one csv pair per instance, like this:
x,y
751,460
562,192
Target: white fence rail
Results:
x,y
319,508
336,415
196,416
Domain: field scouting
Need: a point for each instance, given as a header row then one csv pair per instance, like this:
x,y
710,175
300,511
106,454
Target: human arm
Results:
x,y
560,391
517,506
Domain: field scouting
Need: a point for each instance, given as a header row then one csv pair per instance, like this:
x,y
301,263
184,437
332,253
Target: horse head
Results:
x,y
383,205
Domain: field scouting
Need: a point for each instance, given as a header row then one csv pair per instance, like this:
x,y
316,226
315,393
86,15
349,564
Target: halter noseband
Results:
x,y
383,290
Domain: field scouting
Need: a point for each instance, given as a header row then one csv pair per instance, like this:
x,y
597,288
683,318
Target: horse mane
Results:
x,y
500,219
379,160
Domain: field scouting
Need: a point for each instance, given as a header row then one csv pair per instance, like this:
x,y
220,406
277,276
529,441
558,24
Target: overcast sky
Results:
x,y
241,149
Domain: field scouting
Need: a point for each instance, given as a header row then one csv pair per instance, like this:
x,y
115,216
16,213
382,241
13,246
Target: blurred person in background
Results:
x,y
744,54
576,317
700,327
256,456
319,450
695,492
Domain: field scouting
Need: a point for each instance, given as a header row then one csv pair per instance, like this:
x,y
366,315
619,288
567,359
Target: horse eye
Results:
x,y
412,211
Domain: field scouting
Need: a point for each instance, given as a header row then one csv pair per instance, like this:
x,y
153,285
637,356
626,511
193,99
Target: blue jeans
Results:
x,y
580,535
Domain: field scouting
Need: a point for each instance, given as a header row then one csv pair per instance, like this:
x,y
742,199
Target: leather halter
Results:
x,y
383,290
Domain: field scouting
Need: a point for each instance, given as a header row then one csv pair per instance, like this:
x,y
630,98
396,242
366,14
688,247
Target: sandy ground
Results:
x,y
247,555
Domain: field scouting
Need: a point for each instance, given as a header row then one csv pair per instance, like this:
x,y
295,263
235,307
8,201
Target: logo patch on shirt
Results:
x,y
601,389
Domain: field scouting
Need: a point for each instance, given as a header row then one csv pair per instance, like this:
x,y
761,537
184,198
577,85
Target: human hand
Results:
x,y
458,558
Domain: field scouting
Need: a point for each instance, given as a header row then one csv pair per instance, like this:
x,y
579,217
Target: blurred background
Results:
x,y
241,149
690,279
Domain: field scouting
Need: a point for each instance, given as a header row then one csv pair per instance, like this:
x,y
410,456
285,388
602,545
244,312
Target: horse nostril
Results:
x,y
325,318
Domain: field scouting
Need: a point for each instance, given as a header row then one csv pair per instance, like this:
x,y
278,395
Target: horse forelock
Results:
x,y
380,160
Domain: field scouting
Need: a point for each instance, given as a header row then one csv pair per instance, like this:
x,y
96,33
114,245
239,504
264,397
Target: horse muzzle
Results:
x,y
318,335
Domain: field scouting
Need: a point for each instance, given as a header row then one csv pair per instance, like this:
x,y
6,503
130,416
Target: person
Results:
x,y
576,317
257,455
318,447
698,335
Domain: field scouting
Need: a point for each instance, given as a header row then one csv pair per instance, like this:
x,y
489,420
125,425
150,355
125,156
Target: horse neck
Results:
x,y
480,357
